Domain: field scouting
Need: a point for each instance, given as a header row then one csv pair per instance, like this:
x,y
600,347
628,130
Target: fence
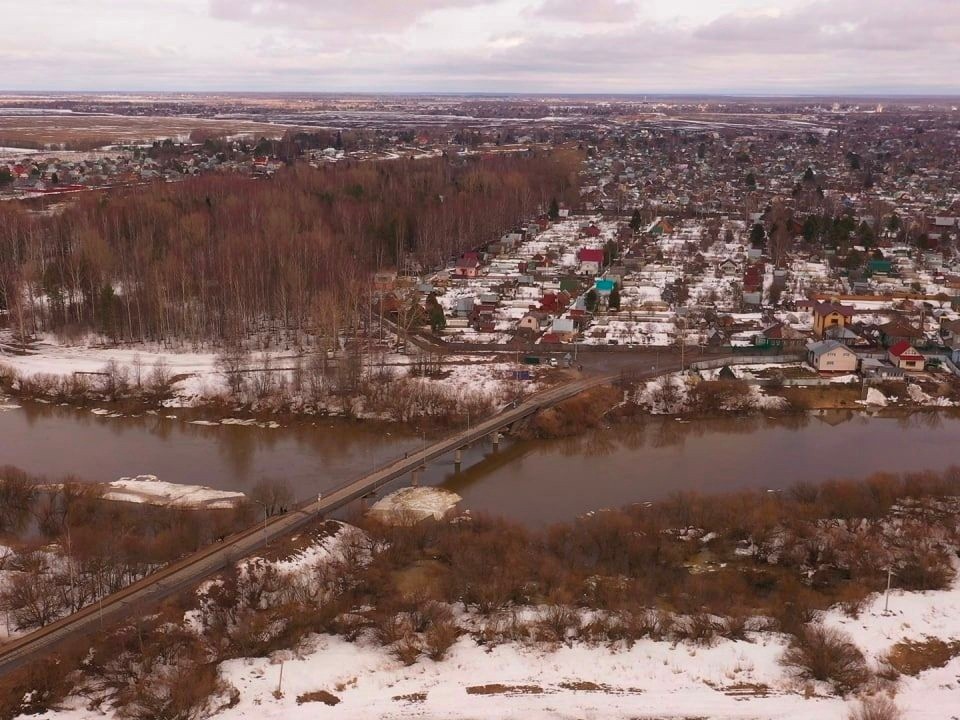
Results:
x,y
748,360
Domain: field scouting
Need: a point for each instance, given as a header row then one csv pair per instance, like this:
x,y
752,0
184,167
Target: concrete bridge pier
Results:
x,y
495,439
415,476
457,459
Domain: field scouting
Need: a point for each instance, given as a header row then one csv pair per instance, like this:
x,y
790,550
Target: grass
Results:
x,y
500,689
912,657
318,696
417,697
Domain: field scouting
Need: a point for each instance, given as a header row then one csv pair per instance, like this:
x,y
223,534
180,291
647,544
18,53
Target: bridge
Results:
x,y
193,569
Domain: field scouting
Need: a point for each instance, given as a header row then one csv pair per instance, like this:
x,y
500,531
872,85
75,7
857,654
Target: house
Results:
x,y
728,267
898,331
565,329
950,330
464,306
828,314
781,336
467,266
604,286
848,336
873,368
591,261
534,321
554,302
384,280
904,356
830,356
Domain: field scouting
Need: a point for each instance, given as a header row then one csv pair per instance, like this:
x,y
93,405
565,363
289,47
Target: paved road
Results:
x,y
190,571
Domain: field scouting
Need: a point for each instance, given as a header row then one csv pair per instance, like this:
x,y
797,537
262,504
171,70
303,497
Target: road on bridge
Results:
x,y
146,593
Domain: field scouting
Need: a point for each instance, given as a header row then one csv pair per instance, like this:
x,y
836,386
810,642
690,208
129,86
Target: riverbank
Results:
x,y
427,390
536,481
729,607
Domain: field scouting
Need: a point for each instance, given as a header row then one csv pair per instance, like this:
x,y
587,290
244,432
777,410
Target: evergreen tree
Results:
x,y
614,299
554,212
590,300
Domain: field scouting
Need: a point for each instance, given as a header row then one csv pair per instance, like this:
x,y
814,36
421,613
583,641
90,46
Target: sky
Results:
x,y
778,47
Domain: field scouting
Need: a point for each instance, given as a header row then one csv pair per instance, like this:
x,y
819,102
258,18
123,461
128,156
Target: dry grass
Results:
x,y
584,686
912,657
323,696
417,697
87,131
875,708
500,689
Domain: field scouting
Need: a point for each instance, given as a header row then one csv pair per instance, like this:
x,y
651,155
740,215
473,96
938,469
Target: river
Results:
x,y
533,481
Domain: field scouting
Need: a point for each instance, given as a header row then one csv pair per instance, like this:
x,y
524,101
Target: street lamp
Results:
x,y
266,541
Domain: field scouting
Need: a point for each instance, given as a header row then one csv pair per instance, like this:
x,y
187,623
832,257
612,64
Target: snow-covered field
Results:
x,y
197,377
731,680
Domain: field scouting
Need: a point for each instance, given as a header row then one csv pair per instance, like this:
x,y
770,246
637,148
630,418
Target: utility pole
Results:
x,y
886,599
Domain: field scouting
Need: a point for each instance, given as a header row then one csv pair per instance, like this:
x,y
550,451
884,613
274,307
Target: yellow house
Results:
x,y
828,315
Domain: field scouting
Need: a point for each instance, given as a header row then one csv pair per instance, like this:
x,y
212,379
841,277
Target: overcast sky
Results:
x,y
631,46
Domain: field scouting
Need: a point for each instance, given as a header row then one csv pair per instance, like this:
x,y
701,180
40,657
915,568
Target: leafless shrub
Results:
x,y
440,637
159,382
272,495
407,650
700,628
231,362
557,623
734,627
710,398
114,380
875,708
828,655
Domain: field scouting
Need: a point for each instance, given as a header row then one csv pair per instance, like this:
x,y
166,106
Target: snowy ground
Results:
x,y
50,357
729,680
656,679
198,378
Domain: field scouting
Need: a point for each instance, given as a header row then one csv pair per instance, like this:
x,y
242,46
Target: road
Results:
x,y
193,569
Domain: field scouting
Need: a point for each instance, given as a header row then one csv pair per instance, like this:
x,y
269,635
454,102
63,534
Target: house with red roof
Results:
x,y
904,356
468,266
591,261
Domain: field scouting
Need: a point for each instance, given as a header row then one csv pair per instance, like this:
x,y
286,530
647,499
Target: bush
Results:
x,y
927,571
556,623
875,708
701,629
439,638
827,655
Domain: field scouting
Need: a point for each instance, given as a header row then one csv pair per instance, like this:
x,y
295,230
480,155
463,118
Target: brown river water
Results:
x,y
533,481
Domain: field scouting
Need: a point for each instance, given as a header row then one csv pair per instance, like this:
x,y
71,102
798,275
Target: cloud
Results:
x,y
380,16
776,46
590,11
837,25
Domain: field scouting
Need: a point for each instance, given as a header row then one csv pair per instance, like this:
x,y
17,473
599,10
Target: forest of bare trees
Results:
x,y
215,257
